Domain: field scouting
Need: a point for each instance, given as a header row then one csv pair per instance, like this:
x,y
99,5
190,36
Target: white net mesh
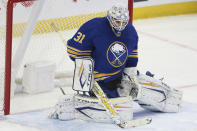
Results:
x,y
44,43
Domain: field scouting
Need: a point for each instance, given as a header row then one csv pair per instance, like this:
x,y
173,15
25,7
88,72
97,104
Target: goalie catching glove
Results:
x,y
129,84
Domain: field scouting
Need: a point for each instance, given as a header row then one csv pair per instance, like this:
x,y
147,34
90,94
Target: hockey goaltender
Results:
x,y
106,80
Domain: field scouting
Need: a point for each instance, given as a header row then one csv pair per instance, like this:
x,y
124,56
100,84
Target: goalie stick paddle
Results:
x,y
106,103
114,114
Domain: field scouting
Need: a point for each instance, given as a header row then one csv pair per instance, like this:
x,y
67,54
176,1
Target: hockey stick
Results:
x,y
114,114
62,91
107,104
59,34
63,40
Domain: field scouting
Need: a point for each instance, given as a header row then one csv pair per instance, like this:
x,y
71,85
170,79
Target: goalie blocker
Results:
x,y
83,74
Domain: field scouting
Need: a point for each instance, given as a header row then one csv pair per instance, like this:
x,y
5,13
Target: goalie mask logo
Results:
x,y
117,54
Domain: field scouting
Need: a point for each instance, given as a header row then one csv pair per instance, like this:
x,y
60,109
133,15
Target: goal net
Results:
x,y
29,42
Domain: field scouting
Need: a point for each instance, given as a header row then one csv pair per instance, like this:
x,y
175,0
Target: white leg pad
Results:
x,y
157,96
64,109
168,101
89,109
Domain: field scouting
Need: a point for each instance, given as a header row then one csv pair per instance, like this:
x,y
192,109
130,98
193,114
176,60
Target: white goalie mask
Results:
x,y
118,17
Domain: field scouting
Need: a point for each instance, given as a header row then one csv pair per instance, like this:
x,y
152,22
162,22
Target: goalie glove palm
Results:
x,y
135,90
129,84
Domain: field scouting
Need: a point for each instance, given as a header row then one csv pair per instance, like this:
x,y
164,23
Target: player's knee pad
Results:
x,y
157,96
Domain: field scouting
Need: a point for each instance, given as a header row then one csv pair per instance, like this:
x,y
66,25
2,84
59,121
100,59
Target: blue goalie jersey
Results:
x,y
111,53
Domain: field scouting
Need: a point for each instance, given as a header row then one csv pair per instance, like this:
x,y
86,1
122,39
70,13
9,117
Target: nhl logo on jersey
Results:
x,y
117,54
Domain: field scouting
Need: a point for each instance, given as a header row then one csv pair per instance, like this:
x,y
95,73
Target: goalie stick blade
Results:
x,y
136,123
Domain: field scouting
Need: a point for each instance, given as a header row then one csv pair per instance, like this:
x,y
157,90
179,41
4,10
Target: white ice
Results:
x,y
167,48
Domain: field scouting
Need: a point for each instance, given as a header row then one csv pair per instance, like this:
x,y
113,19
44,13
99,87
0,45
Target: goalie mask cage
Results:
x,y
26,36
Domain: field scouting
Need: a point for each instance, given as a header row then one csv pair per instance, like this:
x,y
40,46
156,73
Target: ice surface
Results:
x,y
185,120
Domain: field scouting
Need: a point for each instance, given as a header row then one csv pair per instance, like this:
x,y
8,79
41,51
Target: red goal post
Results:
x,y
11,31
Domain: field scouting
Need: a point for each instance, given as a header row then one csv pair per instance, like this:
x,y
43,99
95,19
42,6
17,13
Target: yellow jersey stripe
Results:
x,y
98,79
77,53
134,53
133,56
77,50
106,74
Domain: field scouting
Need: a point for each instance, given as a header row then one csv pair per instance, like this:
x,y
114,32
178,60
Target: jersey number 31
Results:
x,y
79,38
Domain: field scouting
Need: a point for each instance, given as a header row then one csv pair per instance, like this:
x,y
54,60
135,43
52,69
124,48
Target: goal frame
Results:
x,y
8,54
8,48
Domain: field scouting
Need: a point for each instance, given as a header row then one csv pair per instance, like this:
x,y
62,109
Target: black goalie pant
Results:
x,y
109,88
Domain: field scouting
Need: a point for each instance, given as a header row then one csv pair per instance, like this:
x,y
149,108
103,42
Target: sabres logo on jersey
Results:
x,y
117,54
